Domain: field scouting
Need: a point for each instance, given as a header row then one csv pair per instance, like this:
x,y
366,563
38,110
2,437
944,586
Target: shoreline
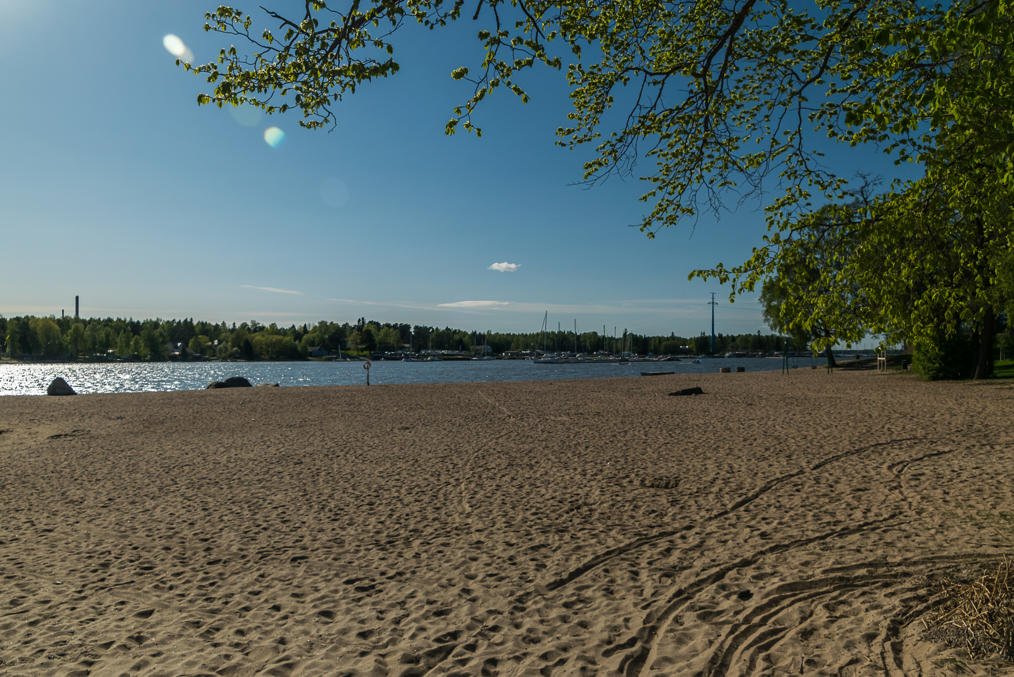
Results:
x,y
772,525
34,379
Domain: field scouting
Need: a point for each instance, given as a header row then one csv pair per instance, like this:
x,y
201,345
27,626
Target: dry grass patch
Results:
x,y
979,614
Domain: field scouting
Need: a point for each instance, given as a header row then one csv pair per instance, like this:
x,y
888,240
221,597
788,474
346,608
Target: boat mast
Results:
x,y
712,303
545,319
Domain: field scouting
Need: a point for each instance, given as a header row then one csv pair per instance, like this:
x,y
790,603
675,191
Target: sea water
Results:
x,y
120,377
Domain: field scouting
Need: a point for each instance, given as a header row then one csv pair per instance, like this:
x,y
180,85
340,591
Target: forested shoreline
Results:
x,y
30,338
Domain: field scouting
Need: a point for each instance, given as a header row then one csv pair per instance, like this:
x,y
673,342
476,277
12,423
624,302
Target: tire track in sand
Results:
x,y
752,634
651,632
657,622
630,546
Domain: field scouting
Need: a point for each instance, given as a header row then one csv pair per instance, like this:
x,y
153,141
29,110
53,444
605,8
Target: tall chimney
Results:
x,y
77,307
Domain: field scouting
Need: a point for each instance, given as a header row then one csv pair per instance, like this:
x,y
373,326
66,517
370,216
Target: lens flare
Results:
x,y
273,136
175,46
334,192
248,116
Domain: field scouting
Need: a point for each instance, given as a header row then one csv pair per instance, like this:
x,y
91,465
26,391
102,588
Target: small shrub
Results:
x,y
945,358
1003,369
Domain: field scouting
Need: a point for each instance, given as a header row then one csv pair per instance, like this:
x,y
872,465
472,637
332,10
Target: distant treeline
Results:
x,y
50,338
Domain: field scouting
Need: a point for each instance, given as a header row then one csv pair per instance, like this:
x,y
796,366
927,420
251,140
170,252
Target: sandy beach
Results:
x,y
775,525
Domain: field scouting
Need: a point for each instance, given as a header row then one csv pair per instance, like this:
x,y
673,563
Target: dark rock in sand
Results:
x,y
59,387
267,385
231,382
696,390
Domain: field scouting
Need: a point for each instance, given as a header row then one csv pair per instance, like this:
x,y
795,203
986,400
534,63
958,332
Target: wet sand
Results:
x,y
775,525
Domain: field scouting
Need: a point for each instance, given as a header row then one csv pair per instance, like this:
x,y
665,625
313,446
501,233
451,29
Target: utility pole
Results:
x,y
712,303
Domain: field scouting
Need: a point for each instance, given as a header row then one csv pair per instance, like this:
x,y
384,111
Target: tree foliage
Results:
x,y
724,98
154,340
812,296
49,338
719,94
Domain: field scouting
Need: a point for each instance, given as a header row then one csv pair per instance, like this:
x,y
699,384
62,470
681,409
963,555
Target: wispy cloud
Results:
x,y
504,267
247,315
679,308
383,304
273,290
474,305
671,307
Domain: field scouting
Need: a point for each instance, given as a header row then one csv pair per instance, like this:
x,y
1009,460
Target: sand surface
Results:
x,y
776,525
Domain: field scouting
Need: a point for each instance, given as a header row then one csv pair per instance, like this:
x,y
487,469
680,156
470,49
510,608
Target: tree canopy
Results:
x,y
811,297
47,338
725,98
929,254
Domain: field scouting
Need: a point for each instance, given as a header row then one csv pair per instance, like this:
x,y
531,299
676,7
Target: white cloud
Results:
x,y
273,290
504,267
474,304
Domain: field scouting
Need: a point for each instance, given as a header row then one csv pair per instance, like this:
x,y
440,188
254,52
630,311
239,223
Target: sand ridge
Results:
x,y
776,524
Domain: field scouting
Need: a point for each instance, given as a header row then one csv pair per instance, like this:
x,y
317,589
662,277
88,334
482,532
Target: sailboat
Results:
x,y
485,350
547,358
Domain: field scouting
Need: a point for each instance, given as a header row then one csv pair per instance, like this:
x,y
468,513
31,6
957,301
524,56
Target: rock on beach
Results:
x,y
231,382
59,387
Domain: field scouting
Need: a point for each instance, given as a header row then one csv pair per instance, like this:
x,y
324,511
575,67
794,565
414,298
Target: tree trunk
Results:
x,y
987,334
987,328
831,364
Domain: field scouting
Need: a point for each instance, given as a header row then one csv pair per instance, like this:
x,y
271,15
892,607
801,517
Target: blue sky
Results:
x,y
117,187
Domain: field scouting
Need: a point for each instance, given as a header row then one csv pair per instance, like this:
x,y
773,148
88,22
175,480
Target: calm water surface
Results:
x,y
32,379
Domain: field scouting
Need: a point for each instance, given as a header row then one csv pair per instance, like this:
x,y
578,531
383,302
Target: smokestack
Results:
x,y
77,306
